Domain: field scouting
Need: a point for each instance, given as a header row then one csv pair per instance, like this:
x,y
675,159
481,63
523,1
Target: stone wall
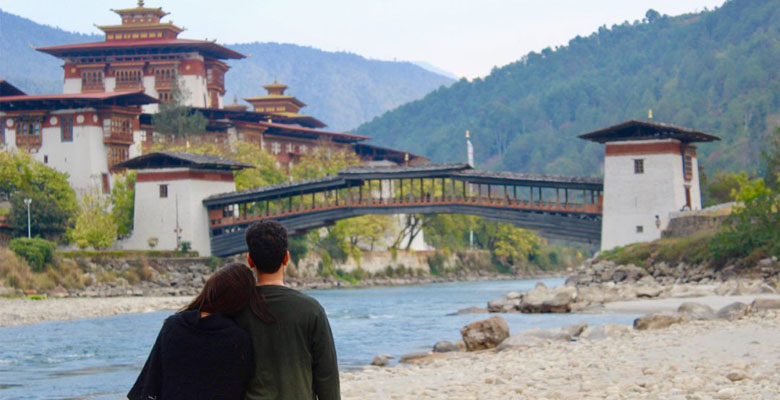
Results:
x,y
687,225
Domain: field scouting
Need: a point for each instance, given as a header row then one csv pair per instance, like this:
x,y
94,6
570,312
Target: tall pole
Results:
x,y
29,231
470,158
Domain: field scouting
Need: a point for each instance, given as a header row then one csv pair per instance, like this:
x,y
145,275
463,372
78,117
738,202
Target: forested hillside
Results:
x,y
716,71
342,89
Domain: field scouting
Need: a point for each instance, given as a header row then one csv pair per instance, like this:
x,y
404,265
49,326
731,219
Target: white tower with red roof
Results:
x,y
650,171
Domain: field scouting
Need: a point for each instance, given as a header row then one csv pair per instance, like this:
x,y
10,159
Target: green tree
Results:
x,y
721,188
323,161
174,118
368,228
265,171
771,159
53,200
95,227
123,202
753,228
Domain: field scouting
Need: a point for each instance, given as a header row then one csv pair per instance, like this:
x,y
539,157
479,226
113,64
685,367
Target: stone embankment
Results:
x,y
694,353
116,277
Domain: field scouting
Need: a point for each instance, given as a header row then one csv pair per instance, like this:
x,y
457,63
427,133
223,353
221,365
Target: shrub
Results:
x,y
36,251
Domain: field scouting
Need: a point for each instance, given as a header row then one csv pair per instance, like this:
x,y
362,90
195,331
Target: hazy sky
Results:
x,y
466,38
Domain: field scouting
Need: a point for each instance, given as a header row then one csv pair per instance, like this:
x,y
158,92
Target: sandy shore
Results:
x,y
23,311
714,359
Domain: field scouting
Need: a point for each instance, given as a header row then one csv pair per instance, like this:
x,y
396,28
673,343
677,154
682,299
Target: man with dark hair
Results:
x,y
295,358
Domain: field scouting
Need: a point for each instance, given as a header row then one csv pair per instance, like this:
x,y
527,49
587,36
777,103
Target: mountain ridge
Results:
x,y
713,71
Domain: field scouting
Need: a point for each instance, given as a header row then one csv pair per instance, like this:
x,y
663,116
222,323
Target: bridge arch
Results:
x,y
554,206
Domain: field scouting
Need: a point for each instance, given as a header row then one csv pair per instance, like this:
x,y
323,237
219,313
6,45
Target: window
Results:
x,y
688,166
128,78
640,229
45,159
639,166
2,131
92,80
106,184
276,148
66,128
163,191
302,148
29,127
289,147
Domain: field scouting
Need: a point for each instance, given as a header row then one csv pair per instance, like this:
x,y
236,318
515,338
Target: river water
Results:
x,y
99,358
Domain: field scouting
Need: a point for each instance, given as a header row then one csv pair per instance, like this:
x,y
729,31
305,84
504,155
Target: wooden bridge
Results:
x,y
556,207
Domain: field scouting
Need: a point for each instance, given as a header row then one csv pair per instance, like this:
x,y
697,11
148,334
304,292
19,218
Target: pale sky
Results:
x,y
465,37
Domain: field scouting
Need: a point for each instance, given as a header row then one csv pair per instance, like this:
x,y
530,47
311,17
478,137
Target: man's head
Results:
x,y
267,243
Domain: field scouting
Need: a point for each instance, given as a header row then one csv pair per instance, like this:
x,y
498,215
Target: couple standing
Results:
x,y
245,338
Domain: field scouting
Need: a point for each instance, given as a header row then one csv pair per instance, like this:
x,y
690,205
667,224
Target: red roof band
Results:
x,y
208,48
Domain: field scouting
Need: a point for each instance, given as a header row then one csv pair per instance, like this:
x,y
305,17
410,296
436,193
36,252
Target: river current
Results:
x,y
99,358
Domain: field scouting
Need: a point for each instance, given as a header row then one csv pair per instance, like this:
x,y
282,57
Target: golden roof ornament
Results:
x,y
140,3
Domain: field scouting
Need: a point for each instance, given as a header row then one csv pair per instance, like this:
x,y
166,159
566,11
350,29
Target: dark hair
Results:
x,y
226,292
267,243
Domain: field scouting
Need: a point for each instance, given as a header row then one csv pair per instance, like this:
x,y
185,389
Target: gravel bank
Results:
x,y
22,311
714,359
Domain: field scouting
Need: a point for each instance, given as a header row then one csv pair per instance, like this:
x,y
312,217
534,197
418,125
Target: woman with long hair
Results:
x,y
200,352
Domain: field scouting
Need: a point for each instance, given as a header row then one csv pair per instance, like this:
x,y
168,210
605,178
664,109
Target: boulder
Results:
x,y
628,273
548,334
444,347
575,330
485,334
734,311
695,311
504,305
648,291
765,304
544,300
656,321
381,360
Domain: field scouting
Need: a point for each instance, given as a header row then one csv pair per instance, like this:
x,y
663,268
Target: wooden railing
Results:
x,y
250,212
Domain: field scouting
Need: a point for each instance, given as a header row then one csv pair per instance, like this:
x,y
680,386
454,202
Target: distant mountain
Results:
x,y
341,89
436,70
30,70
716,71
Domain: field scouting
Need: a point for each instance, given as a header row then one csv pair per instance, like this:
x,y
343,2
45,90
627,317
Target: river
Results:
x,y
99,358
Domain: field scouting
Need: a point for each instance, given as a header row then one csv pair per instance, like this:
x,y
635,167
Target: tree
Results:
x,y
174,118
368,228
95,227
265,171
53,200
771,159
652,15
123,202
753,228
323,161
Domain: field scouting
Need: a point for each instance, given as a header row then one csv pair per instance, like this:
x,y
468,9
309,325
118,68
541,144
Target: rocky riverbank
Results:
x,y
183,276
25,311
732,357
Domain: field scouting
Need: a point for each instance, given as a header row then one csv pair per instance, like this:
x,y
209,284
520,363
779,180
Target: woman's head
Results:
x,y
227,291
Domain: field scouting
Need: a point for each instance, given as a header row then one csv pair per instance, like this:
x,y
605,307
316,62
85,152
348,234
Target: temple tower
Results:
x,y
169,193
650,170
145,53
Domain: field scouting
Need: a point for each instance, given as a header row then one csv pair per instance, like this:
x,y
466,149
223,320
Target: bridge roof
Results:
x,y
283,189
175,159
647,130
516,178
401,171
